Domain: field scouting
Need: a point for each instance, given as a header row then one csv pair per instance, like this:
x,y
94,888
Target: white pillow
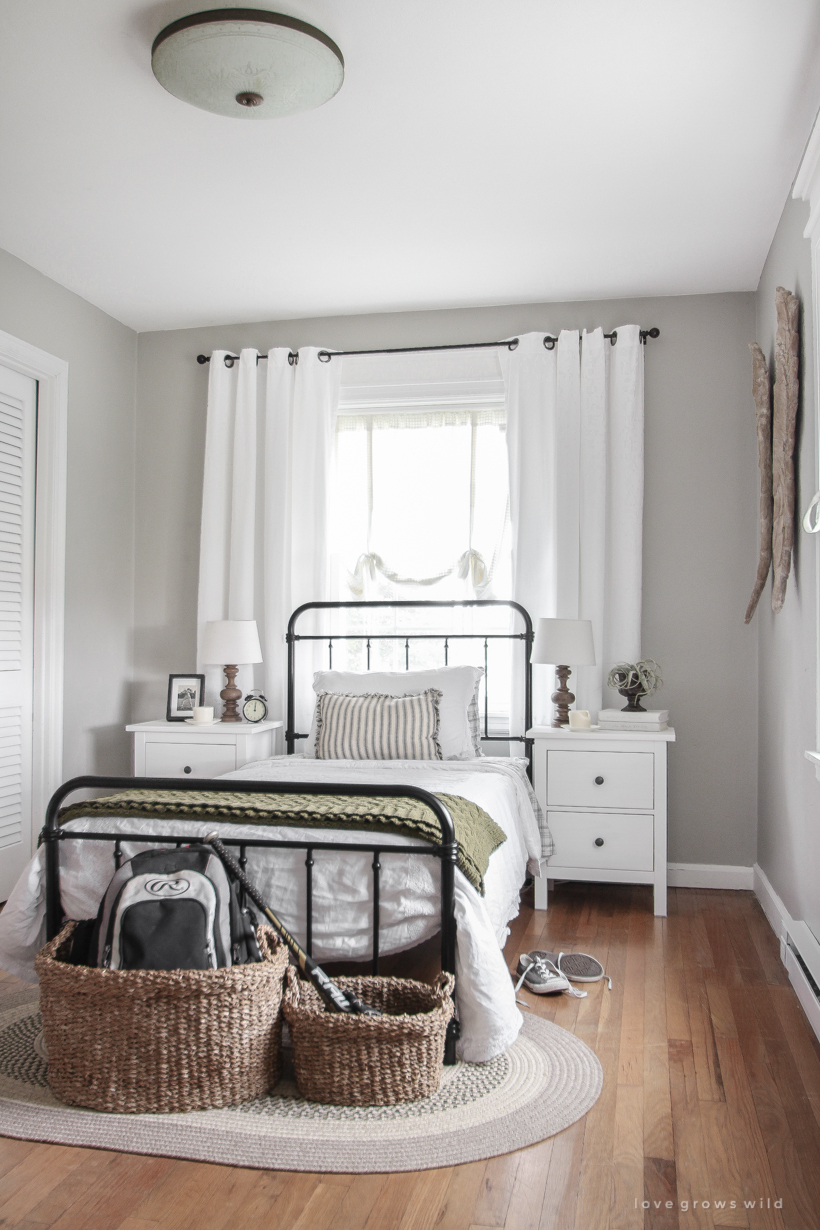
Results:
x,y
457,685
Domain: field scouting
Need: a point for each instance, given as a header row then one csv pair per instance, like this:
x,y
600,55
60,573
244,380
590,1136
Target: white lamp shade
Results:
x,y
231,641
564,642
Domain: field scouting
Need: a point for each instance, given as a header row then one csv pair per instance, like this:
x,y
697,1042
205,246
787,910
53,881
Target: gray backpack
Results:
x,y
172,909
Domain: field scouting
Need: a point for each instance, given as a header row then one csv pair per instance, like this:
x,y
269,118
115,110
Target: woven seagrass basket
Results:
x,y
366,1060
142,1041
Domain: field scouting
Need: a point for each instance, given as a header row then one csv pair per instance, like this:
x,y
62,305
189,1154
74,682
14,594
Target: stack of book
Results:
x,y
621,719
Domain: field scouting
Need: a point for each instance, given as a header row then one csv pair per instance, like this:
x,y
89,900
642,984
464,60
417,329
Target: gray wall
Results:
x,y
699,542
100,506
789,804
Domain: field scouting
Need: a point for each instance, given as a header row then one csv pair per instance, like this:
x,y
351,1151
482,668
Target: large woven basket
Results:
x,y
142,1041
367,1060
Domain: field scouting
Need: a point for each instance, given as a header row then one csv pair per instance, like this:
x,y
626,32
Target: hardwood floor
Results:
x,y
711,1096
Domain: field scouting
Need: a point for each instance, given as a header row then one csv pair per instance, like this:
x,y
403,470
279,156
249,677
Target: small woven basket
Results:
x,y
142,1041
369,1060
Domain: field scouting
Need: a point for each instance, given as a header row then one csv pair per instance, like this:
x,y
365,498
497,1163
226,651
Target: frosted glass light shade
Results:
x,y
233,641
247,63
564,642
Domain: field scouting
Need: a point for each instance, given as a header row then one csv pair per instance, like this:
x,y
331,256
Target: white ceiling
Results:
x,y
479,152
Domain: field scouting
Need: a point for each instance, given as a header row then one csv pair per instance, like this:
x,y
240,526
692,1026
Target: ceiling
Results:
x,y
479,152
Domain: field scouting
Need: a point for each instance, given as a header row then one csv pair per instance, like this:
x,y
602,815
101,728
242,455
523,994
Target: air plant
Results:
x,y
635,679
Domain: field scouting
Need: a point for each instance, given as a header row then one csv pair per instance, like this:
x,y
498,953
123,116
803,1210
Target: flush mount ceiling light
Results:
x,y
247,63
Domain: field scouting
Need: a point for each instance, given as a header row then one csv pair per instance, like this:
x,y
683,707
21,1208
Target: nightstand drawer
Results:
x,y
616,843
600,779
189,759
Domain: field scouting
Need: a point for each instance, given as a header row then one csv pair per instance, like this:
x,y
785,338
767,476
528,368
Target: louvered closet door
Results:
x,y
18,434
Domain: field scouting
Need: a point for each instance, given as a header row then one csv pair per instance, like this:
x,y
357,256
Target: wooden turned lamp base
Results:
x,y
562,698
231,695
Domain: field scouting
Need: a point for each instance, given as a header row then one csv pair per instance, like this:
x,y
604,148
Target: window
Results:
x,y
422,505
420,508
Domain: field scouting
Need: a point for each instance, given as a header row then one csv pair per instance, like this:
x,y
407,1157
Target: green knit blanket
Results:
x,y
477,834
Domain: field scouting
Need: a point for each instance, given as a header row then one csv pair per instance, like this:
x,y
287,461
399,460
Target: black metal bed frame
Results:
x,y
293,637
446,851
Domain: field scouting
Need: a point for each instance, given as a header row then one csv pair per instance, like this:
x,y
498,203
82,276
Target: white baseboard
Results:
x,y
779,918
804,990
709,875
803,940
799,948
790,931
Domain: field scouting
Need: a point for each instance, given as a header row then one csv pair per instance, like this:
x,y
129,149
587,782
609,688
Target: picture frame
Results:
x,y
185,692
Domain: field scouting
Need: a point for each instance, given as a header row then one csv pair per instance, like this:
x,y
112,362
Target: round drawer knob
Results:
x,y
599,781
599,841
187,769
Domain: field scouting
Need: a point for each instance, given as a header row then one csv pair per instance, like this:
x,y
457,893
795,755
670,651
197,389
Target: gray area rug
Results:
x,y
545,1081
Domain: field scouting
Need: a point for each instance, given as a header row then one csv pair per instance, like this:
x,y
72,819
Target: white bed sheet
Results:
x,y
342,883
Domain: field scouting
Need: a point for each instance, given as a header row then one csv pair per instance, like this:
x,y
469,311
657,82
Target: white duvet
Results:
x,y
342,883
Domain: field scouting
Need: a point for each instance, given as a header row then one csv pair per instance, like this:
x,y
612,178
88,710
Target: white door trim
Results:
x,y
51,375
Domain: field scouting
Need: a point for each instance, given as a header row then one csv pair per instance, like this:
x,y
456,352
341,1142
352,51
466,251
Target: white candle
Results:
x,y
204,713
579,719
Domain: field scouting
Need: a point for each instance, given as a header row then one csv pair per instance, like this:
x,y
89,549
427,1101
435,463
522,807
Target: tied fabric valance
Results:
x,y
471,564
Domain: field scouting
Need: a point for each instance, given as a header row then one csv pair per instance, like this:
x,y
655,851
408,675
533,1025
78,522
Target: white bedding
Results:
x,y
342,883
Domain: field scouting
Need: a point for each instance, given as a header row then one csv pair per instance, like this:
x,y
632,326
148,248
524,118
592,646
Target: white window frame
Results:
x,y
392,386
807,188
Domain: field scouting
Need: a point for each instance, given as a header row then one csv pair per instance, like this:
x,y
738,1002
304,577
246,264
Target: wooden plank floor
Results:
x,y
711,1096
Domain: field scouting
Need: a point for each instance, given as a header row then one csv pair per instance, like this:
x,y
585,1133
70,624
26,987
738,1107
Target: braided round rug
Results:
x,y
545,1081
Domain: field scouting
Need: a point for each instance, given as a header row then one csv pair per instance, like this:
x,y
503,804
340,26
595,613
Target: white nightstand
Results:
x,y
604,794
175,749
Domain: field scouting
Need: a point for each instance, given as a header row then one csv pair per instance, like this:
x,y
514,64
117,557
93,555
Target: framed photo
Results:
x,y
185,692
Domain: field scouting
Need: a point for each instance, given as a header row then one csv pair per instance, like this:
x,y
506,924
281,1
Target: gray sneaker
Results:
x,y
577,966
539,976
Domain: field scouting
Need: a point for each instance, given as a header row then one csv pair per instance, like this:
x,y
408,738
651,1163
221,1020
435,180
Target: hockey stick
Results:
x,y
334,997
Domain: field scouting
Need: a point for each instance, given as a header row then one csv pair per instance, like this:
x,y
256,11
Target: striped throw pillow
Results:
x,y
474,720
378,727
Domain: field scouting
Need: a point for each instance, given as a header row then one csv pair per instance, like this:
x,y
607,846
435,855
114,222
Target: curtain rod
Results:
x,y
325,356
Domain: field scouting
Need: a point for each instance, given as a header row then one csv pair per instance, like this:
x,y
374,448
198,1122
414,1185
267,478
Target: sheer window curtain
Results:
x,y
263,547
422,495
575,449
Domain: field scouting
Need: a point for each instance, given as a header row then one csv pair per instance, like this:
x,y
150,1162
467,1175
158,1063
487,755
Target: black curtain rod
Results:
x,y
325,356
230,359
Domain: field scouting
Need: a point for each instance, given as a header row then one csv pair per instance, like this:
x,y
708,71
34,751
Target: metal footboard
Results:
x,y
446,851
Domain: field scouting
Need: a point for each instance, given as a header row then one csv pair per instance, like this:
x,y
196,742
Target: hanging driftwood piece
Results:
x,y
763,416
786,391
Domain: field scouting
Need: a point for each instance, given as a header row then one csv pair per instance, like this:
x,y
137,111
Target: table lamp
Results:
x,y
234,642
563,640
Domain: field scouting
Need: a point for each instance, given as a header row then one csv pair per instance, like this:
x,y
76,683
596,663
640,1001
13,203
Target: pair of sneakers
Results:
x,y
549,973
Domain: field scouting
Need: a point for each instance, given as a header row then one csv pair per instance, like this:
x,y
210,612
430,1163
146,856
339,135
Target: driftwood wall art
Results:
x,y
786,392
775,449
763,416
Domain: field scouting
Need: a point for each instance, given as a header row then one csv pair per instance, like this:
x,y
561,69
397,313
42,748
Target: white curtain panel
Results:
x,y
303,509
263,547
611,525
575,444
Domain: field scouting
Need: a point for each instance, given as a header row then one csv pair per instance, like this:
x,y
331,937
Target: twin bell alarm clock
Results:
x,y
255,707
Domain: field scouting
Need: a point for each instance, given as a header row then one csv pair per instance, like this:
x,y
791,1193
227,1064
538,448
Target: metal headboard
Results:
x,y
291,735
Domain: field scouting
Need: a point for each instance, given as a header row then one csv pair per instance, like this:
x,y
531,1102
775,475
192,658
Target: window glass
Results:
x,y
421,506
420,510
